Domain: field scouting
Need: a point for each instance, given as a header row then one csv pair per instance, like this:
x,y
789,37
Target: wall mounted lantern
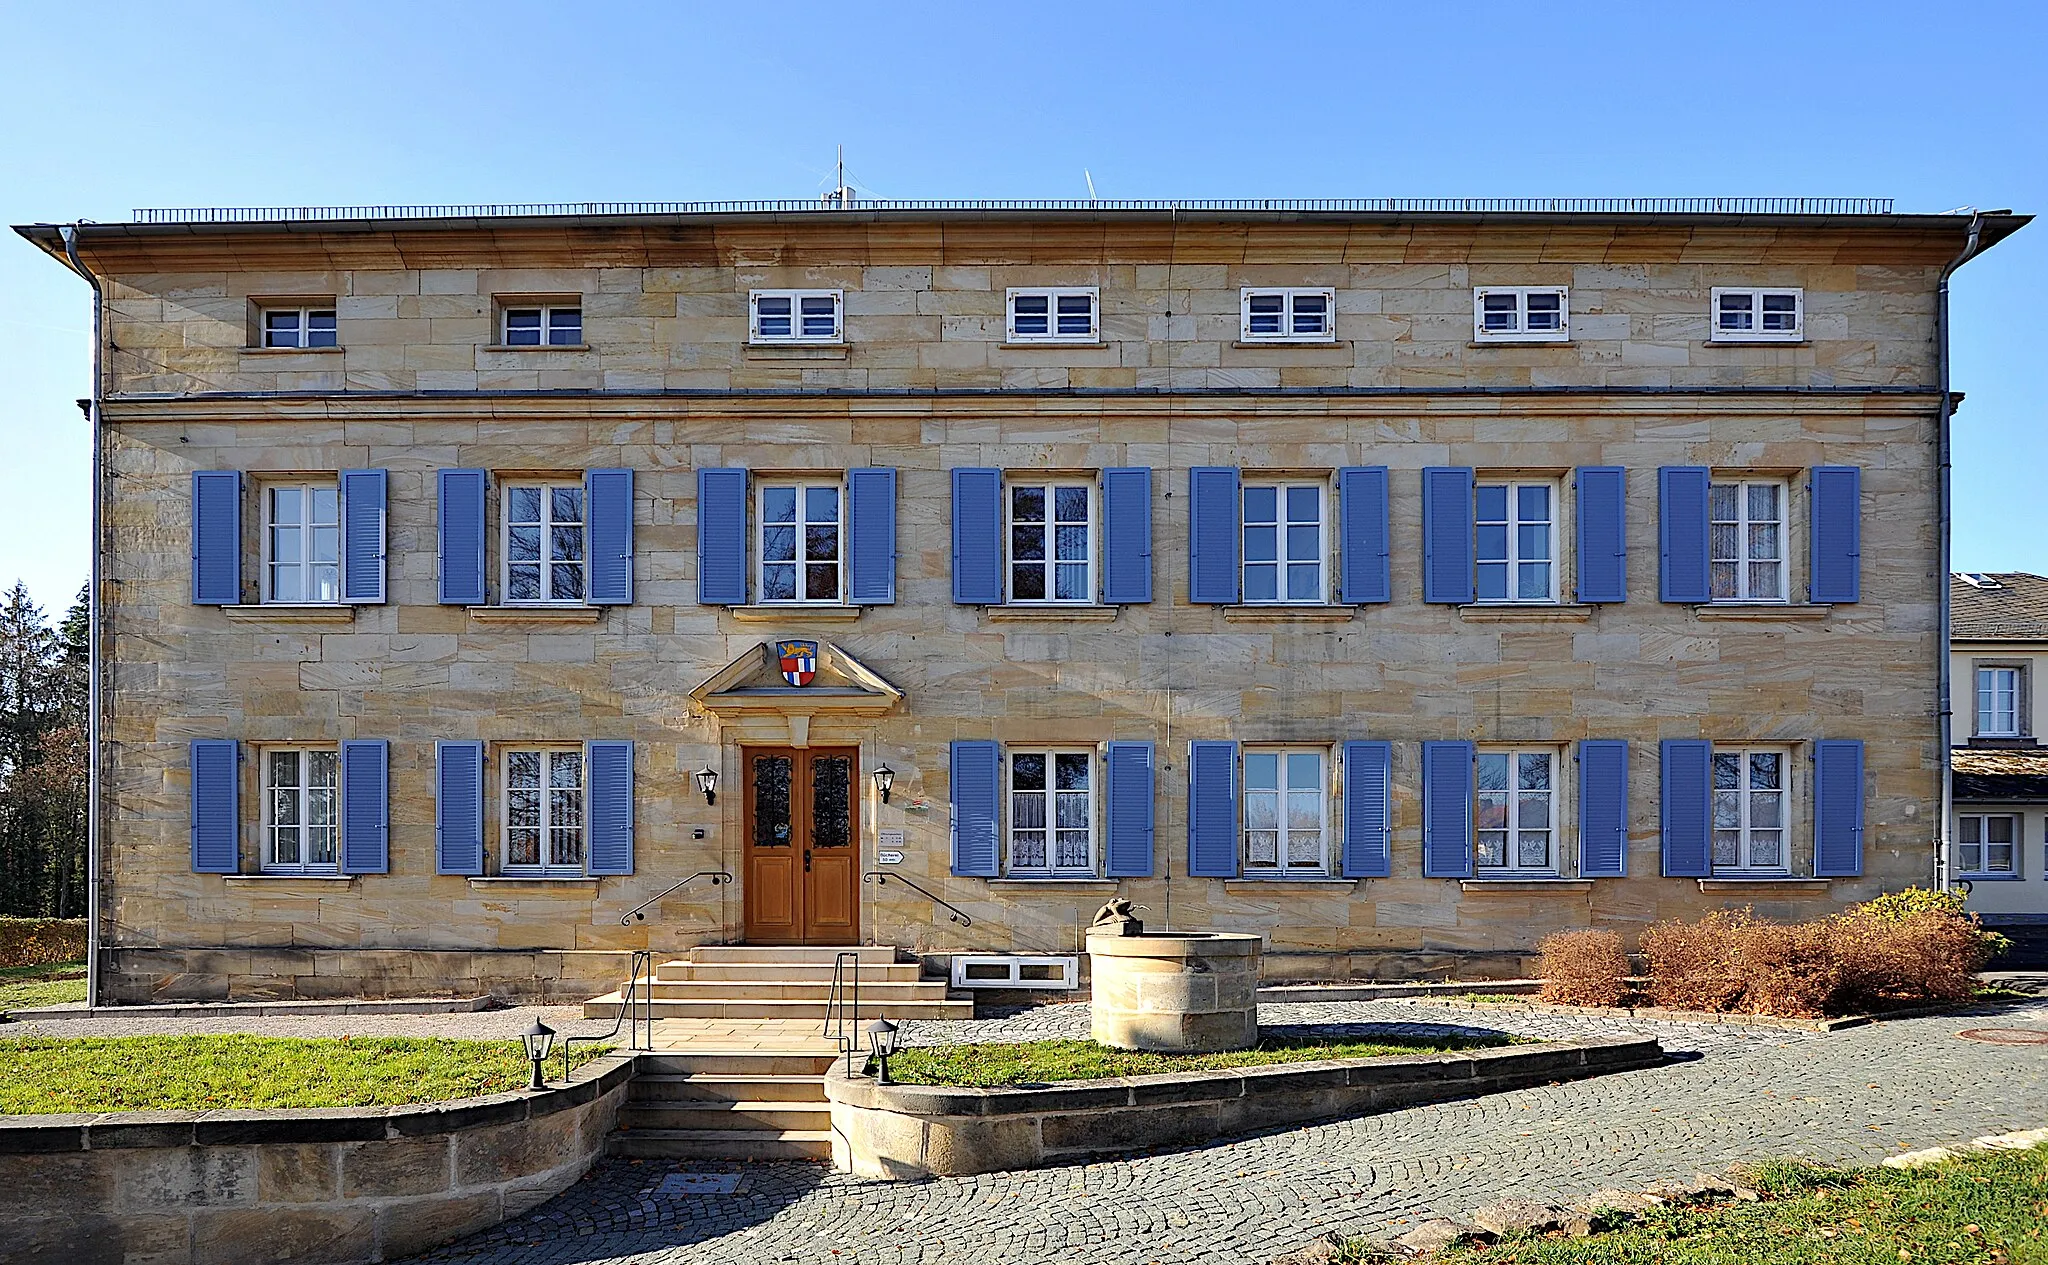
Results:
x,y
707,782
885,777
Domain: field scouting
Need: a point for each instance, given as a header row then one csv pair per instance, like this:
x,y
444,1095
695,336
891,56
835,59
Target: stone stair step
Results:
x,y
796,990
813,954
735,1063
607,1006
700,1087
783,972
739,1114
722,1144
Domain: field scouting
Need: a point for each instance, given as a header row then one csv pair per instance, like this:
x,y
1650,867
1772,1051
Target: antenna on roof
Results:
x,y
841,198
1091,183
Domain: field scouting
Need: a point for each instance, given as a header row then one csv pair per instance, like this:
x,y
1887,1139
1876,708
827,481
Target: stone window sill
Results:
x,y
1245,886
237,880
1711,341
536,614
1296,344
1256,613
1048,344
1052,611
295,613
292,351
1990,878
774,613
1521,342
797,351
1524,886
1764,883
1762,610
531,880
2006,743
1533,612
533,347
1055,882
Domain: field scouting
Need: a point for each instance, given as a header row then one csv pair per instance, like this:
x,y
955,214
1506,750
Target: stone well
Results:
x,y
1175,990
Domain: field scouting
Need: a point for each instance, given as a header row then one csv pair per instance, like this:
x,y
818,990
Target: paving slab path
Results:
x,y
1739,1095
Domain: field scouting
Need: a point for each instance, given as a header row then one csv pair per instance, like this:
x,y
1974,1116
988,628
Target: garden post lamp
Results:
x,y
885,777
882,1040
539,1039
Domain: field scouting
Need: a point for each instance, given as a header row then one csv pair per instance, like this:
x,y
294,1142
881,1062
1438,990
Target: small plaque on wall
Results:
x,y
889,857
889,847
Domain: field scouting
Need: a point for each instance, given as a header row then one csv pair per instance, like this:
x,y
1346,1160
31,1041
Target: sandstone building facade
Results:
x,y
1399,583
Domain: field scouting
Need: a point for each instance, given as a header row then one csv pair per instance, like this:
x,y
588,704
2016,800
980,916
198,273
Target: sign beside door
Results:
x,y
802,845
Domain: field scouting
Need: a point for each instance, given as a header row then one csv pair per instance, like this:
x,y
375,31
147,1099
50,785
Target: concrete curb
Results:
x,y
258,1009
2022,1140
1389,992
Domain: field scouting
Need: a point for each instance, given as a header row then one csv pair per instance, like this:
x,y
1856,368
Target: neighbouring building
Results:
x,y
1998,648
1399,581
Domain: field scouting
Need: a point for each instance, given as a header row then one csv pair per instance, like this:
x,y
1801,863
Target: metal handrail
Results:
x,y
878,878
835,1006
635,1007
717,878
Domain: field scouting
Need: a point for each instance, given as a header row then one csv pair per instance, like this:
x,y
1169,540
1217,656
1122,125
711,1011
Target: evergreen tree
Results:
x,y
43,759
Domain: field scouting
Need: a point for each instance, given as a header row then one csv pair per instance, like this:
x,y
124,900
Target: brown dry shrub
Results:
x,y
38,941
1929,956
1788,969
1692,964
1584,968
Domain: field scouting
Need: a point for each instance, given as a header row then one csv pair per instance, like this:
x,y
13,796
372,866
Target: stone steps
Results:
x,y
715,1116
782,972
871,991
791,954
700,1087
722,1144
607,1007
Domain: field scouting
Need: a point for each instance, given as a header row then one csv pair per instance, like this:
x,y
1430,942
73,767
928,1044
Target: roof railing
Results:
x,y
805,206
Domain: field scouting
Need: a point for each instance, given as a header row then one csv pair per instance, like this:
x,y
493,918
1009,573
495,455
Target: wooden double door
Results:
x,y
802,845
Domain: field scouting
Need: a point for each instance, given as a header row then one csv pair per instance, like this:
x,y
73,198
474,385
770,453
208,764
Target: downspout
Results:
x,y
94,615
1944,702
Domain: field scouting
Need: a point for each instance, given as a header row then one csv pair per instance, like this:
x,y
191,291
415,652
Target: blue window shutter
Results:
x,y
608,499
871,536
1687,810
609,766
722,536
1447,809
1212,809
216,537
458,808
1682,570
1603,808
363,501
1368,769
1128,852
1838,808
976,783
216,771
1837,534
1447,535
978,537
1603,534
461,494
366,806
1362,529
1213,518
1127,538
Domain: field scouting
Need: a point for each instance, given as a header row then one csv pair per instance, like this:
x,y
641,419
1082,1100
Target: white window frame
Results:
x,y
1756,333
1282,558
1513,866
1514,559
802,562
1052,868
1052,296
796,318
1982,821
1010,562
308,529
547,562
1283,843
303,801
547,312
303,333
1743,522
548,824
1521,333
1746,803
2018,678
1287,295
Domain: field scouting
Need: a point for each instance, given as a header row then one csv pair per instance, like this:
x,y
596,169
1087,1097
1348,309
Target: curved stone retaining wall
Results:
x,y
336,1186
913,1131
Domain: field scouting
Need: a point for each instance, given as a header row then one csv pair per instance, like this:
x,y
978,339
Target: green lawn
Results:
x,y
45,1075
54,984
1030,1062
1988,1208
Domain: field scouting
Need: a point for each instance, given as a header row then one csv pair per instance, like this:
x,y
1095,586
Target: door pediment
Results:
x,y
751,695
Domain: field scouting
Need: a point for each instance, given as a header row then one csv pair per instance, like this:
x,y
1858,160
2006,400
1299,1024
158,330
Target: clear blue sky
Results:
x,y
109,107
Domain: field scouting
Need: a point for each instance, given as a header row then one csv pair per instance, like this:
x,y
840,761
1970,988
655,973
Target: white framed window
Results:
x,y
1744,315
301,810
1987,844
1063,314
543,811
1052,812
1746,529
300,327
1289,316
1286,811
1514,533
544,544
1515,812
542,325
301,543
802,555
1052,541
1285,542
1521,314
1998,702
796,316
1749,810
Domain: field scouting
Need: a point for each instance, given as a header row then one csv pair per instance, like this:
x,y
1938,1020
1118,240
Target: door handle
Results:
x,y
807,860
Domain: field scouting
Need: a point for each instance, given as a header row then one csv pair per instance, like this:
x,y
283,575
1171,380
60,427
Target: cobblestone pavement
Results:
x,y
1852,1096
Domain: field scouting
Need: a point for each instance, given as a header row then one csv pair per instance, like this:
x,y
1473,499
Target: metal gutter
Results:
x,y
94,616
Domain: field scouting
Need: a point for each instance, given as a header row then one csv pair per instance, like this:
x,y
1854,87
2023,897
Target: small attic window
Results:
x,y
1979,580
